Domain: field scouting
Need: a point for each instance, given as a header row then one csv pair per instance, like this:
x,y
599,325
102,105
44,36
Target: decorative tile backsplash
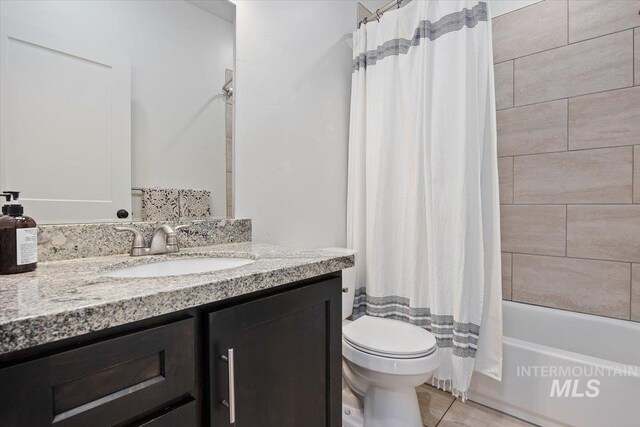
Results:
x,y
171,204
194,204
160,204
69,241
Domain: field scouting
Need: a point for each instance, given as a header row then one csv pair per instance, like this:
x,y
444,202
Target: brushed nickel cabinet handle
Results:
x,y
231,404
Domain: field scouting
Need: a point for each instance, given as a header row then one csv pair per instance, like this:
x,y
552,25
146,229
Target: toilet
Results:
x,y
383,361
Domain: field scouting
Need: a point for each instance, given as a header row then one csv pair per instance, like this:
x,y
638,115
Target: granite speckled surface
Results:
x,y
69,298
70,241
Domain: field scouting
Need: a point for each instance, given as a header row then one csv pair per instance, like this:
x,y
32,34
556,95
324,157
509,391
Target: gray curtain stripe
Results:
x,y
426,30
463,342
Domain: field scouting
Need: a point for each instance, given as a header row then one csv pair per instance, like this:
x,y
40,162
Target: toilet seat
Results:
x,y
389,346
389,365
388,338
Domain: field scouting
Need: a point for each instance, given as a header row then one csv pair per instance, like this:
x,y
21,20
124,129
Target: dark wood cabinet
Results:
x,y
102,384
182,415
286,360
168,371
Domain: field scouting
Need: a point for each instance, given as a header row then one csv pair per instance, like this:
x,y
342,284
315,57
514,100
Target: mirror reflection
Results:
x,y
113,111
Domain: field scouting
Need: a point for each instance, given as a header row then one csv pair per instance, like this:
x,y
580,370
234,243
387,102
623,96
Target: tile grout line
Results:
x,y
513,180
567,107
572,257
445,412
575,96
567,151
513,84
616,204
633,172
629,204
632,29
567,23
566,231
573,311
511,277
568,97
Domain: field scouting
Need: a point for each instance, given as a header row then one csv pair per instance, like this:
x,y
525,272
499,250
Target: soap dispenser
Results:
x,y
7,198
18,238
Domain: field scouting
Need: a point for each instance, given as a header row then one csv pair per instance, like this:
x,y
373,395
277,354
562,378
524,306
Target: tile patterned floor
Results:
x,y
441,409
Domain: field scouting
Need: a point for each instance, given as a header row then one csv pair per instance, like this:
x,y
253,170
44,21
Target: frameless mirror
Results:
x,y
117,110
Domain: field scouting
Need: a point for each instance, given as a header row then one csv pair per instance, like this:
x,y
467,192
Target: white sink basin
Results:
x,y
179,267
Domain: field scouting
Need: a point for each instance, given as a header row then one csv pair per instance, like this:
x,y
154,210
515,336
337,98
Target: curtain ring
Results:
x,y
398,3
377,15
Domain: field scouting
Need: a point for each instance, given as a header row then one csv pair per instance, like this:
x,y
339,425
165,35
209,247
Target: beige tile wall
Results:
x,y
569,154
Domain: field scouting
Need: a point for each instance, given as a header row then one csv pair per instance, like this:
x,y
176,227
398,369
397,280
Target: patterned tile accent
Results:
x,y
195,204
160,204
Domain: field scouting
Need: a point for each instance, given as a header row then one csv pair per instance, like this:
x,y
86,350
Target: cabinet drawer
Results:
x,y
101,384
182,416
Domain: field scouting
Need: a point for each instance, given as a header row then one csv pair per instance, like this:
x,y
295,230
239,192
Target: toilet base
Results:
x,y
352,411
392,408
396,408
352,417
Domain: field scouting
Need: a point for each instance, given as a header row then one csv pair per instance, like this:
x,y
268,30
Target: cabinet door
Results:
x,y
283,358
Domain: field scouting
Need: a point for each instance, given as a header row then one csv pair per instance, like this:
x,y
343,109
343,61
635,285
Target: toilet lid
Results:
x,y
389,338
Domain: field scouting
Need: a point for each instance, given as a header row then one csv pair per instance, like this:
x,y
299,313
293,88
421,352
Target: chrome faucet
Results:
x,y
163,241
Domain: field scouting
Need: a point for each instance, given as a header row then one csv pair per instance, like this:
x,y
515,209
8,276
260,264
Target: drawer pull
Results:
x,y
231,404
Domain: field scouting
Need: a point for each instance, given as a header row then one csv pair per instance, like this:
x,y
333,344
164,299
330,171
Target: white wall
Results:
x,y
500,7
179,53
293,79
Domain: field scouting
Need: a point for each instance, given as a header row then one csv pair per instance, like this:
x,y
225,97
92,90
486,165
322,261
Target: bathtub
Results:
x,y
563,368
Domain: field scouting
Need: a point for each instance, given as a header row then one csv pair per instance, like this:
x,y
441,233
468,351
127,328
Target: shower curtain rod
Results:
x,y
378,13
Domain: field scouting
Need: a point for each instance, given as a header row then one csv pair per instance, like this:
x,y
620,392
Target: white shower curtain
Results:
x,y
423,207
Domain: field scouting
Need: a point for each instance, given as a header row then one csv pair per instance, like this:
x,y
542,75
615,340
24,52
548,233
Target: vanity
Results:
x,y
257,344
119,115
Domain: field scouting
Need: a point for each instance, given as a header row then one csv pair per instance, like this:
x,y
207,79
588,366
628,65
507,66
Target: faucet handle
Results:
x,y
138,244
172,239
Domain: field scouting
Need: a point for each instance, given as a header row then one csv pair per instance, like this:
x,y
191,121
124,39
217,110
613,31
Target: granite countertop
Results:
x,y
64,299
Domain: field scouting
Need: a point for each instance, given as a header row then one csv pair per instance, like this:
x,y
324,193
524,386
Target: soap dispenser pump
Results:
x,y
18,238
7,198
